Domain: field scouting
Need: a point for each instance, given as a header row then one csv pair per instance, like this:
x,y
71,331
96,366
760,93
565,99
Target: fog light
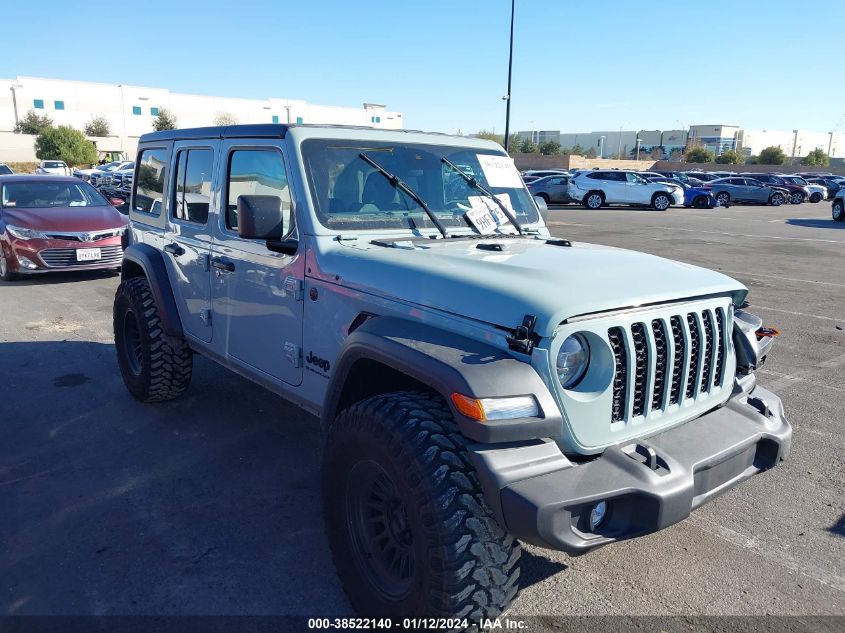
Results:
x,y
598,514
26,263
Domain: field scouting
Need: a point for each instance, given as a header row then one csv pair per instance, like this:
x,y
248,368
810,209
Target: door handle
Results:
x,y
174,249
222,264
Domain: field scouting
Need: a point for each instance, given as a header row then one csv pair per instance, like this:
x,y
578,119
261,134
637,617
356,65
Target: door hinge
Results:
x,y
205,316
294,288
293,353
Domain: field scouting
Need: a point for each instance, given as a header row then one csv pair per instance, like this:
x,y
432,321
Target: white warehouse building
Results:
x,y
130,111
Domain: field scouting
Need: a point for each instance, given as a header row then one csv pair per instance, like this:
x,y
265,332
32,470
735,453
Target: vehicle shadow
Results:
x,y
535,568
838,528
209,504
59,277
816,224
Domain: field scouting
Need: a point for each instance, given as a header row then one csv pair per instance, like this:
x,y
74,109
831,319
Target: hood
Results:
x,y
65,218
528,276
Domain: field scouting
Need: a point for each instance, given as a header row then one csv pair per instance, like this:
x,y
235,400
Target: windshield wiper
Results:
x,y
399,184
477,185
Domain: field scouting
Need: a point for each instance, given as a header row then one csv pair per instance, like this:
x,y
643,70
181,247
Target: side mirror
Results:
x,y
261,218
542,207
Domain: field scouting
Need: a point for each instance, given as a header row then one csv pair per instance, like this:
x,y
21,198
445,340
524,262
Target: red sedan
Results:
x,y
55,223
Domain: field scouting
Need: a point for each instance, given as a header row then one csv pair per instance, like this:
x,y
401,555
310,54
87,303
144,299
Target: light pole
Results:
x,y
601,146
507,97
639,140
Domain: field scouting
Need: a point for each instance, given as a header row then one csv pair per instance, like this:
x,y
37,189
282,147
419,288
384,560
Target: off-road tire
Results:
x,y
155,367
593,200
661,201
464,564
838,210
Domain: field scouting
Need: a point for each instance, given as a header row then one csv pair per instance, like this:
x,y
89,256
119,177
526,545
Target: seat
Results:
x,y
380,193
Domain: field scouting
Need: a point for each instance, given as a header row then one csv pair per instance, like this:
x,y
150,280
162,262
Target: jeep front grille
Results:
x,y
667,361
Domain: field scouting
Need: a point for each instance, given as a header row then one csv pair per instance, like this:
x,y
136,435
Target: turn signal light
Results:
x,y
766,332
482,409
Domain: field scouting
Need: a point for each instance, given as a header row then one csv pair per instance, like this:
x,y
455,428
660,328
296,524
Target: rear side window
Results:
x,y
149,185
193,185
254,172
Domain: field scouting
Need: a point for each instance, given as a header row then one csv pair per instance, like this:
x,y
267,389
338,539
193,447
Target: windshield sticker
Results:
x,y
486,216
499,171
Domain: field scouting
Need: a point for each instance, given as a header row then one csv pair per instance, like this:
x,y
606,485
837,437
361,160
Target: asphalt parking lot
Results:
x,y
210,504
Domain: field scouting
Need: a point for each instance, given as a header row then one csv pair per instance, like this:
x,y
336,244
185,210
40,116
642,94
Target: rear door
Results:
x,y
257,295
188,233
557,188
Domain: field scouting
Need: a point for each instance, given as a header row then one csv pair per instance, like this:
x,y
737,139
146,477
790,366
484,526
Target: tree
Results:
x,y
656,152
513,143
489,136
730,157
772,155
550,148
67,144
591,153
816,158
225,118
676,155
164,120
98,126
752,160
576,150
699,155
32,123
527,146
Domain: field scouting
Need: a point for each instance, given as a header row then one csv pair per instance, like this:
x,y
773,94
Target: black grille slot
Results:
x,y
661,355
620,377
678,364
640,368
694,353
720,347
707,372
64,257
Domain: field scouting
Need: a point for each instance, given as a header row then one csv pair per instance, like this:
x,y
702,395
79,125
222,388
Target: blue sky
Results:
x,y
579,65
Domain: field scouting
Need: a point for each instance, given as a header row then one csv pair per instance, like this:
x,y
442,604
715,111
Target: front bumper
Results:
x,y
542,498
52,254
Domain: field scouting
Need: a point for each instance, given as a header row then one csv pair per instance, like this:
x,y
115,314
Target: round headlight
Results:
x,y
572,360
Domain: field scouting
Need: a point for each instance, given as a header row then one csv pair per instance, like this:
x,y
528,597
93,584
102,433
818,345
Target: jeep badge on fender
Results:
x,y
600,394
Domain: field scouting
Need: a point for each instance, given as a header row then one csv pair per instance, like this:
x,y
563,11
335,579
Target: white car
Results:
x,y
53,168
598,188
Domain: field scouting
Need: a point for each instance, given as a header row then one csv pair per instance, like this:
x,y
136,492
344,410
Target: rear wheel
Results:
x,y
700,202
776,199
545,197
838,212
661,201
796,198
155,366
593,200
410,531
723,198
815,197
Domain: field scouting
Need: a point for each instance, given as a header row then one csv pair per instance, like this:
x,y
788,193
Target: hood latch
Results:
x,y
524,338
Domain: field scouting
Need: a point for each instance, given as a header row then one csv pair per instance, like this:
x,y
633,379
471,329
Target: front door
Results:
x,y
187,239
257,295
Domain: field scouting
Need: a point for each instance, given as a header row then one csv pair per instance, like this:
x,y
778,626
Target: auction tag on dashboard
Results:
x,y
499,171
486,216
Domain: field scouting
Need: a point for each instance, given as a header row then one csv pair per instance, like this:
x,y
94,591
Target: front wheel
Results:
x,y
816,197
700,202
6,273
410,531
796,198
661,202
155,367
724,199
838,212
776,200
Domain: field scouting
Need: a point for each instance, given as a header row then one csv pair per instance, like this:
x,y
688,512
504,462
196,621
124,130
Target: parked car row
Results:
x,y
596,188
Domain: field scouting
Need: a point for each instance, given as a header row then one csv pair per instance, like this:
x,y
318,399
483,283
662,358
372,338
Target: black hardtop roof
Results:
x,y
253,130
37,178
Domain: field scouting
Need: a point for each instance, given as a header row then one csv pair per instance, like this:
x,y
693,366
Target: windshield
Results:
x,y
40,195
349,193
52,164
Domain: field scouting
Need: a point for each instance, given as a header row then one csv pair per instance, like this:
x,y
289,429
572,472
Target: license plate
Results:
x,y
88,254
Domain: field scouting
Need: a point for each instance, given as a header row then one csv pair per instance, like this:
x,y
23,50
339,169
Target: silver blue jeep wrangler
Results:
x,y
479,381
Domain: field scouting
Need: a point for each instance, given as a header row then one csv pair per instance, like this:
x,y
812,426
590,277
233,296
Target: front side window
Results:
x,y
149,181
193,185
255,172
349,193
41,195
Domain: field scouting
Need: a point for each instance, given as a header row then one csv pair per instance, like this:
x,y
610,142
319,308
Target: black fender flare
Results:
x,y
448,363
151,262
